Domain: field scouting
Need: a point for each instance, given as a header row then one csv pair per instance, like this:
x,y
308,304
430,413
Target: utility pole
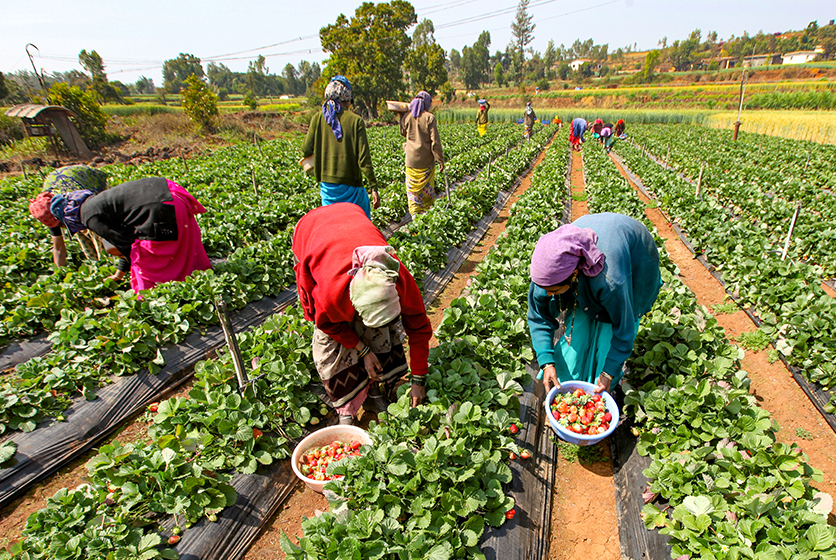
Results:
x,y
38,76
740,107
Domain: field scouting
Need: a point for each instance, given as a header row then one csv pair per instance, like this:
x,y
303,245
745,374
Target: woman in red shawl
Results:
x,y
619,128
361,300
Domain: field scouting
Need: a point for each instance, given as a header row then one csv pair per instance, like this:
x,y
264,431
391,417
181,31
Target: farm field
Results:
x,y
741,474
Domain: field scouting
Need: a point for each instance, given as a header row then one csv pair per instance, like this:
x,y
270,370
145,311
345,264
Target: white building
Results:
x,y
576,64
799,57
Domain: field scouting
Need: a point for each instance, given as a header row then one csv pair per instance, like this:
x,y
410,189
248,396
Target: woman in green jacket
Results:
x,y
337,140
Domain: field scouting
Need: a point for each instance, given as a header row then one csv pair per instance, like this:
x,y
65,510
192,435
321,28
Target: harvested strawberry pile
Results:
x,y
315,461
581,413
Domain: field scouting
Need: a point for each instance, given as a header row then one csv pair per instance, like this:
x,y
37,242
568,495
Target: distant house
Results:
x,y
799,57
762,60
576,64
726,62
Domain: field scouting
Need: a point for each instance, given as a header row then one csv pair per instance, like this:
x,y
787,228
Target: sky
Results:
x,y
134,38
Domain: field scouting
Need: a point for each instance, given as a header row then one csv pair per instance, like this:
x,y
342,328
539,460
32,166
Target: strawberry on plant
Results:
x,y
173,539
257,433
524,454
512,455
510,513
514,429
153,407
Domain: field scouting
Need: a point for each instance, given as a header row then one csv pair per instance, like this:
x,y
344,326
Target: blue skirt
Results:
x,y
332,193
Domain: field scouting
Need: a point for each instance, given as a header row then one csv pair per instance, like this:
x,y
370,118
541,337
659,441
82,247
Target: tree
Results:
x,y
370,48
145,85
827,39
499,75
549,58
425,65
522,27
200,104
563,70
89,117
308,74
257,75
455,59
291,79
176,70
92,62
221,76
4,90
650,60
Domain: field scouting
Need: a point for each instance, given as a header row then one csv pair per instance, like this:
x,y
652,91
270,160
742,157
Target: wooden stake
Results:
x,y
23,168
257,145
789,234
489,168
699,181
232,343
808,162
252,172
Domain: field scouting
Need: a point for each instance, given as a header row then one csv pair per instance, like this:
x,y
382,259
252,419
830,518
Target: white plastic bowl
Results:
x,y
572,437
321,438
397,106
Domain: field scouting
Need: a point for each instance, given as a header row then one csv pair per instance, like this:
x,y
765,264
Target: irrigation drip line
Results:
x,y
817,395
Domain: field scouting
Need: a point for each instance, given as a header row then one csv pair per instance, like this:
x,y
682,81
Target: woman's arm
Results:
x,y
59,250
541,324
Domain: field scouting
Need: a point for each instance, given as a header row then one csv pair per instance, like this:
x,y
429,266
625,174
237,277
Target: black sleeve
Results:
x,y
56,232
124,264
119,237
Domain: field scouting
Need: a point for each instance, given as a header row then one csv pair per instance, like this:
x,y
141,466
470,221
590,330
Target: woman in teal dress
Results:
x,y
596,277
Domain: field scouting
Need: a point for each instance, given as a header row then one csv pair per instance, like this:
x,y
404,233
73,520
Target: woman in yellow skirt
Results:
x,y
422,149
482,116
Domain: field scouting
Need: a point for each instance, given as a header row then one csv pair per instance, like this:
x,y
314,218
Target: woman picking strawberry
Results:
x,y
595,277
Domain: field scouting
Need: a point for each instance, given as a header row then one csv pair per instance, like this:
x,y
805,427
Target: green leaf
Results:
x,y
820,537
698,505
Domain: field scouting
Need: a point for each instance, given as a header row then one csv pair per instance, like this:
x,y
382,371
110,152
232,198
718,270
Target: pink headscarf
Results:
x,y
560,252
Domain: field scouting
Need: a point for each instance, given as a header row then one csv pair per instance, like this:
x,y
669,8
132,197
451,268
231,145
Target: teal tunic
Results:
x,y
602,313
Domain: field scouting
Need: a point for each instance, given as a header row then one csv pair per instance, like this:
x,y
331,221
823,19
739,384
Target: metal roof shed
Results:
x,y
39,120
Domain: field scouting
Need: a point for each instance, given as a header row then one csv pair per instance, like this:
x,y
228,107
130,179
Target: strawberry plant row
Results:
x,y
764,188
193,422
237,216
794,309
731,490
437,474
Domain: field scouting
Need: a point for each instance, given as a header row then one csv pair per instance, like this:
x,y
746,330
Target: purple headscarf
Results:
x,y
67,208
560,252
421,103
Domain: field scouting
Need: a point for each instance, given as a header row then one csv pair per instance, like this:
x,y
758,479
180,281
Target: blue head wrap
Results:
x,y
338,89
67,208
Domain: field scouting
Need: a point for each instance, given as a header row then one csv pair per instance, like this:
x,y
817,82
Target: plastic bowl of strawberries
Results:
x,y
579,415
313,454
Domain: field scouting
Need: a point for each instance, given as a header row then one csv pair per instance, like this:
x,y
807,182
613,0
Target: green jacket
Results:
x,y
343,162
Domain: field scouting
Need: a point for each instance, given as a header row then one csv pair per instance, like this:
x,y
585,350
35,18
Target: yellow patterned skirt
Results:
x,y
483,128
420,189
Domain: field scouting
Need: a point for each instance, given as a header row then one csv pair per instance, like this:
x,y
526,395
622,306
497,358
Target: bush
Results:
x,y
543,84
10,130
200,104
90,119
250,101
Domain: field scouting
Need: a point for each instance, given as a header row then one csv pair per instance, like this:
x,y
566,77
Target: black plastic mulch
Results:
x,y
42,452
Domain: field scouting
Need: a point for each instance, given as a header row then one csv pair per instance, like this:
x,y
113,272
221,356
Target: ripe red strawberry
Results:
x,y
607,417
153,406
512,455
257,433
525,454
514,429
174,539
510,513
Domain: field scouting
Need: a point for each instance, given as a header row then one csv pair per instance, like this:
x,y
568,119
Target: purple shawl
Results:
x,y
560,252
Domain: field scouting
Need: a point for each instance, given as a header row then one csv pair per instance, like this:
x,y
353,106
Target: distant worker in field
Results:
x,y
361,300
619,128
148,223
579,126
482,116
607,138
62,181
528,121
594,277
338,142
422,149
558,121
596,127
